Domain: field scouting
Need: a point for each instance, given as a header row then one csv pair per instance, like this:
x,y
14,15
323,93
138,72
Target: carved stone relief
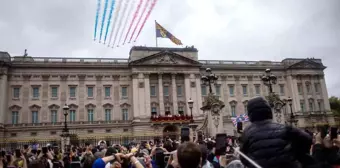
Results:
x,y
166,59
193,84
141,85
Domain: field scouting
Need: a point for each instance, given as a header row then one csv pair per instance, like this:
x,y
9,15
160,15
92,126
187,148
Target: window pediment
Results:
x,y
233,103
53,106
245,102
125,105
14,108
73,106
154,104
108,105
181,103
35,107
90,105
165,58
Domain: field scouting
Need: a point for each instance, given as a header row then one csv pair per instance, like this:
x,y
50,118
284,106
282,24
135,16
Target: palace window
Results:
x,y
54,116
309,90
90,91
233,110
16,92
72,115
179,91
107,114
257,90
166,90
231,90
204,90
90,115
218,90
181,110
302,106
72,91
35,117
311,105
245,90
36,92
15,117
54,92
124,92
107,91
125,114
153,90
282,90
153,110
299,85
316,87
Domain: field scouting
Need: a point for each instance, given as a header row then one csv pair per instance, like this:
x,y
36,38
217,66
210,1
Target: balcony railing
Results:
x,y
312,113
69,123
171,119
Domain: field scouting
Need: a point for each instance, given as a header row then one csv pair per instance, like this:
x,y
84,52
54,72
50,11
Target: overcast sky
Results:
x,y
220,29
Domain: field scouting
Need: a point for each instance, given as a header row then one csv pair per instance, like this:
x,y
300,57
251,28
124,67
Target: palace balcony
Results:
x,y
185,119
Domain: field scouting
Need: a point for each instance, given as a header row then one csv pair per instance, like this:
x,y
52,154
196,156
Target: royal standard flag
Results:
x,y
162,33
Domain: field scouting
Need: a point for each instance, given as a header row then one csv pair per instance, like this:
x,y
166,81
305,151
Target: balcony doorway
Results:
x,y
171,131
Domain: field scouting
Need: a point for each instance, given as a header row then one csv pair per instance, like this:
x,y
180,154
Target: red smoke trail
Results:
x,y
146,17
133,19
139,19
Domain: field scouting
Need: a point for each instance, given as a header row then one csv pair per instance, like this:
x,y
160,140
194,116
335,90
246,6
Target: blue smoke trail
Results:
x,y
109,19
96,22
103,19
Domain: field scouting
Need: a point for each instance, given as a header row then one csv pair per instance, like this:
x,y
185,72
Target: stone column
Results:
x,y
160,95
313,81
25,99
99,98
199,103
305,95
81,94
63,97
187,91
117,112
135,93
4,97
147,95
225,93
293,93
324,93
45,111
174,94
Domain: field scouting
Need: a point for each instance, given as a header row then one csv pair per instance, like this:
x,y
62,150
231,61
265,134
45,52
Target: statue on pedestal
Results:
x,y
212,107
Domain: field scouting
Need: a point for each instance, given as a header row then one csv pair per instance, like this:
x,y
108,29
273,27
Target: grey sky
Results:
x,y
220,29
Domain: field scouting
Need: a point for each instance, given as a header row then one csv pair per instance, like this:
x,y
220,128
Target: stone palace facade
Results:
x,y
118,96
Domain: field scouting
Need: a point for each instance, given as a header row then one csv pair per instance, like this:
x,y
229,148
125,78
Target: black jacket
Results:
x,y
273,145
328,157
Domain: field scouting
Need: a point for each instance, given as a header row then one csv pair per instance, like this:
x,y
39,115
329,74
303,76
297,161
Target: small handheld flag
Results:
x,y
163,33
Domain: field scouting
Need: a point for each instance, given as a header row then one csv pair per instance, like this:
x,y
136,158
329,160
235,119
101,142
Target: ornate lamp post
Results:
x,y
209,79
191,105
274,100
292,119
269,79
65,132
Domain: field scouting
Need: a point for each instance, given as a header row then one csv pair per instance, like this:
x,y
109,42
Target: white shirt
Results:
x,y
108,165
50,163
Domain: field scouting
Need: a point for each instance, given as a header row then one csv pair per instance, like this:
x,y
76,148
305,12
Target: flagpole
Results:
x,y
156,34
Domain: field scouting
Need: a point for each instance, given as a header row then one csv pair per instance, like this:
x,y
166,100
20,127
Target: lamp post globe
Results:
x,y
191,105
66,108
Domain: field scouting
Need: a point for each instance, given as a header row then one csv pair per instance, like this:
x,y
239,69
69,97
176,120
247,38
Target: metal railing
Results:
x,y
78,141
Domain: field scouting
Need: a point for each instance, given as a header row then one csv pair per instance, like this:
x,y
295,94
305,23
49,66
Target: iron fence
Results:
x,y
79,141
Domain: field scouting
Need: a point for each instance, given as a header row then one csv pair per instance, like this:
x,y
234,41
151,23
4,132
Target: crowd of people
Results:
x,y
263,143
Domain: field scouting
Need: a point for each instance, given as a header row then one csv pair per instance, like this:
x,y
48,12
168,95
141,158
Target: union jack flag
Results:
x,y
240,118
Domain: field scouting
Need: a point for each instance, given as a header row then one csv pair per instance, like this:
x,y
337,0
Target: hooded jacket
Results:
x,y
271,144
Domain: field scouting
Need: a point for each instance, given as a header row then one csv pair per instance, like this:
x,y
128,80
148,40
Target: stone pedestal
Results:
x,y
65,140
213,107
